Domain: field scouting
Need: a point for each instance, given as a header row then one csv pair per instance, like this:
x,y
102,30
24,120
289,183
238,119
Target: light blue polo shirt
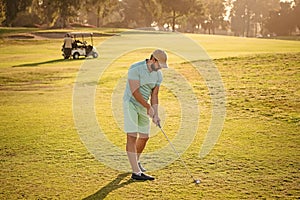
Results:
x,y
139,71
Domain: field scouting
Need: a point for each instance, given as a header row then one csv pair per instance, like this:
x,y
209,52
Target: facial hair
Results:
x,y
153,67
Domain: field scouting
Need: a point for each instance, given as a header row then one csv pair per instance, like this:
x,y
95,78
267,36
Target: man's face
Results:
x,y
155,65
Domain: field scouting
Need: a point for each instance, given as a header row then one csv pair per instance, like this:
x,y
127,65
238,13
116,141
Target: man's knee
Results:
x,y
131,137
144,136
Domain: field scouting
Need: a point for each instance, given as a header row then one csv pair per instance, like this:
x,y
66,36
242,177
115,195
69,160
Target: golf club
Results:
x,y
197,181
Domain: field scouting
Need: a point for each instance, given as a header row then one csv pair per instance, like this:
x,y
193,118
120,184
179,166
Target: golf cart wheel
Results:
x,y
76,55
95,55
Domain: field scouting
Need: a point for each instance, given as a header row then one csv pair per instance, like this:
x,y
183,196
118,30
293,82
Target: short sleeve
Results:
x,y
159,78
133,74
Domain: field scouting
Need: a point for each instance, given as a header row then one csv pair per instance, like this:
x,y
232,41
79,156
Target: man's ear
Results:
x,y
152,60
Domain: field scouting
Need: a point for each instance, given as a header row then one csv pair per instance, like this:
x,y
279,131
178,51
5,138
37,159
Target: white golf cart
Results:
x,y
80,46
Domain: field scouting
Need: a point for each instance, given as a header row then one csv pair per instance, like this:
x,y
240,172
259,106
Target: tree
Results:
x,y
131,13
246,15
2,11
296,14
102,8
196,16
214,12
175,9
150,12
51,12
12,7
66,10
140,13
261,13
238,17
281,22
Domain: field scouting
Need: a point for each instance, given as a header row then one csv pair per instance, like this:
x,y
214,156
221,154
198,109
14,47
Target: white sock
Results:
x,y
139,173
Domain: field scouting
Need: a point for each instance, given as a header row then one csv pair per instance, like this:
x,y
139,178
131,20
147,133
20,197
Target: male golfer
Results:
x,y
144,79
67,45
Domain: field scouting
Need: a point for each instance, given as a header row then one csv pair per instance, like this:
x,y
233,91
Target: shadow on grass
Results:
x,y
48,62
115,184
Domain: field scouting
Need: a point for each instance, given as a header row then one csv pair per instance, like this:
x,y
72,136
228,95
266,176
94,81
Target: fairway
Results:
x,y
256,157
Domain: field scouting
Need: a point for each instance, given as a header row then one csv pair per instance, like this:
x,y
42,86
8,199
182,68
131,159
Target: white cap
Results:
x,y
161,57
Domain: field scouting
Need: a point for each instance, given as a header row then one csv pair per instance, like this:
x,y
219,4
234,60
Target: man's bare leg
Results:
x,y
134,143
131,148
141,144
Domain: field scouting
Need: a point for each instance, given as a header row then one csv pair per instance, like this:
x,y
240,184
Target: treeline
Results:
x,y
241,17
262,17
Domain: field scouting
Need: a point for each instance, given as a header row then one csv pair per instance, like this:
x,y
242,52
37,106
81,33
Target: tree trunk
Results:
x,y
173,21
255,29
98,16
248,25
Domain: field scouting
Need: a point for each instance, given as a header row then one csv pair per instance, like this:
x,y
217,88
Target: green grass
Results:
x,y
257,155
6,30
228,46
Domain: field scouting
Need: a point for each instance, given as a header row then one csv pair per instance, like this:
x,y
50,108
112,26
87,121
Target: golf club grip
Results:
x,y
158,124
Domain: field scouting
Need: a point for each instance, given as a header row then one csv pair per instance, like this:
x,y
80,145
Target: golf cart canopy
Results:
x,y
82,35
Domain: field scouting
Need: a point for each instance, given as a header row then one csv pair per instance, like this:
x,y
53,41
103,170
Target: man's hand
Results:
x,y
150,111
156,120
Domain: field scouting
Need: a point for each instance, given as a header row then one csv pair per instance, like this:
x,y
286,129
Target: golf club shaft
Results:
x,y
176,152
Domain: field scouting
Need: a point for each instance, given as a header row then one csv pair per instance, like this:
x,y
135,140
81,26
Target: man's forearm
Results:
x,y
154,104
139,98
154,100
134,87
